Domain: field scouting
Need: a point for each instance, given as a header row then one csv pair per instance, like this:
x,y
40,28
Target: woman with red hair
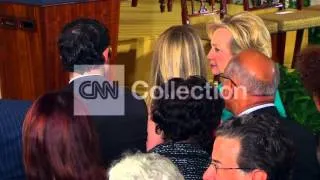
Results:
x,y
58,145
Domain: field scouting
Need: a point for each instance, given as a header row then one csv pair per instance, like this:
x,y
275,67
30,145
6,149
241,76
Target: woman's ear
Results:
x,y
316,100
259,174
158,130
227,90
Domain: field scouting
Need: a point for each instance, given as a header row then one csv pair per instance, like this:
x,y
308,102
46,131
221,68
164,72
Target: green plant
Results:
x,y
297,101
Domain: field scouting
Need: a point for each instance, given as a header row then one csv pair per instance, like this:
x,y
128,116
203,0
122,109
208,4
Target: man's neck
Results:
x,y
253,102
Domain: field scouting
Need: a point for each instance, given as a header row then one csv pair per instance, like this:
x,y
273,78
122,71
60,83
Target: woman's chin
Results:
x,y
215,70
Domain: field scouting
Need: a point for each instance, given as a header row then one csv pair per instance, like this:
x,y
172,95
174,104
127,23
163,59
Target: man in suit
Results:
x,y
258,149
12,114
85,42
309,67
249,85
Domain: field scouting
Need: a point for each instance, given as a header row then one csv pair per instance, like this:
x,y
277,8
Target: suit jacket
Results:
x,y
12,114
306,166
120,134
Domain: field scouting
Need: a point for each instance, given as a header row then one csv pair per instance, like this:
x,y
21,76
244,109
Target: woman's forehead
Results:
x,y
221,36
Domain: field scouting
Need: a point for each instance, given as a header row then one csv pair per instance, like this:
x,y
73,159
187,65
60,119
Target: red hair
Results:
x,y
58,145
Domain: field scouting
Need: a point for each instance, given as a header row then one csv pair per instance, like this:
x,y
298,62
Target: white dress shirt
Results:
x,y
250,110
83,75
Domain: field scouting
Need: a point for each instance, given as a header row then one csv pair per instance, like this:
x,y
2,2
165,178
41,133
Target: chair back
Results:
x,y
250,5
193,8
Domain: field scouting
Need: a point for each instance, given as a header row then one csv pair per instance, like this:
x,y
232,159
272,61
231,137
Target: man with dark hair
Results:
x,y
258,149
83,42
250,81
83,46
309,68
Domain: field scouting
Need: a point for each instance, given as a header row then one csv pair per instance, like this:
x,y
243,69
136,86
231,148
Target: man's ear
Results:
x,y
106,56
227,89
316,100
259,174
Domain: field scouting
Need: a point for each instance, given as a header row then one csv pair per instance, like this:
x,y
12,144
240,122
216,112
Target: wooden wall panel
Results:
x,y
30,64
20,54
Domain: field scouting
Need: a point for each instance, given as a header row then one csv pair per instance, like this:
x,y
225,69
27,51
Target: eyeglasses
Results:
x,y
220,78
216,168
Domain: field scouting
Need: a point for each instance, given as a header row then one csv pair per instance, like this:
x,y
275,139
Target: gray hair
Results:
x,y
253,85
141,166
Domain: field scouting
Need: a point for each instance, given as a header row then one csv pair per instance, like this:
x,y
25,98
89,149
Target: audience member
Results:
x,y
258,149
85,42
58,145
177,53
148,166
12,113
186,122
258,75
309,68
233,35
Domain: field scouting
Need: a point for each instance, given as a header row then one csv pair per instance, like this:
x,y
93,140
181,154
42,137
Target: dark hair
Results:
x,y
264,144
308,65
187,118
82,42
57,144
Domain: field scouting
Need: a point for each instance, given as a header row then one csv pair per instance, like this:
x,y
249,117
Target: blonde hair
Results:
x,y
178,53
248,32
149,166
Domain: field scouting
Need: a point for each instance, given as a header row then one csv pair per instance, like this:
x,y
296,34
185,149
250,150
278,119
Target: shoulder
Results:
x,y
15,107
133,96
135,102
305,148
12,113
158,149
181,149
297,130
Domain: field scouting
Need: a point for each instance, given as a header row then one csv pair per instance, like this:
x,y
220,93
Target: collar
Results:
x,y
250,110
179,148
83,75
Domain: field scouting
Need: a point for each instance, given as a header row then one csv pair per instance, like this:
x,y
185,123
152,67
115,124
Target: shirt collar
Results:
x,y
255,108
83,75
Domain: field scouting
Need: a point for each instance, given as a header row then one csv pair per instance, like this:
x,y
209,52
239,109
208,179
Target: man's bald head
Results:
x,y
255,71
257,65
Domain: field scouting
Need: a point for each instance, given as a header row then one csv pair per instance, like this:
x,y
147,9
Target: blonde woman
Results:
x,y
233,35
178,53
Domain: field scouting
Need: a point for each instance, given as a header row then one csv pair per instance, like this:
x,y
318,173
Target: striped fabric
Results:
x,y
11,118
